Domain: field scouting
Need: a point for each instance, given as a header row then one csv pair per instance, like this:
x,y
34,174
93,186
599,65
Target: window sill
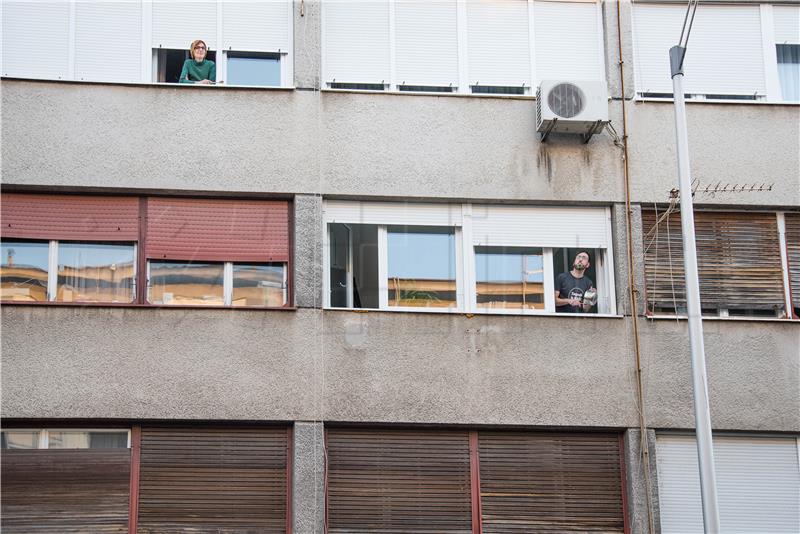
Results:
x,y
472,314
155,84
723,319
429,93
721,102
132,305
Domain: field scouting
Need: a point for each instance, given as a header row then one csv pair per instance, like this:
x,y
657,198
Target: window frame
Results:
x,y
395,214
52,271
44,434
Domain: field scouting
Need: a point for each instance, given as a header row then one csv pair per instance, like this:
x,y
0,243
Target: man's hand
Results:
x,y
574,302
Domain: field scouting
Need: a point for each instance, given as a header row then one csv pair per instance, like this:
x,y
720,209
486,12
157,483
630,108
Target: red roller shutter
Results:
x,y
387,481
550,482
68,217
217,230
213,480
67,490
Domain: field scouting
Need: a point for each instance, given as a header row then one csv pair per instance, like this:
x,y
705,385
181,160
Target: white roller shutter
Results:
x,y
36,39
519,226
399,213
498,41
100,24
426,42
758,484
356,41
567,41
177,24
787,24
261,26
725,55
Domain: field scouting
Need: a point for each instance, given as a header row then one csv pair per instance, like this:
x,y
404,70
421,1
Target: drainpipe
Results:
x,y
632,291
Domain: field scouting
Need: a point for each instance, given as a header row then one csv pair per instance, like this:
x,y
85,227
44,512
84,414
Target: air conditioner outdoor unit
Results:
x,y
571,107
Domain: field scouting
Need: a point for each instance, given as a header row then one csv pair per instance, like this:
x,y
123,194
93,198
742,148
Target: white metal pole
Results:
x,y
702,415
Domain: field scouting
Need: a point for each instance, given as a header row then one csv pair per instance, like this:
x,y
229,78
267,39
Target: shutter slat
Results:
x,y
99,23
68,490
256,26
426,42
386,481
738,257
177,24
355,45
567,43
787,24
793,255
225,480
217,230
550,482
36,39
68,217
498,42
727,52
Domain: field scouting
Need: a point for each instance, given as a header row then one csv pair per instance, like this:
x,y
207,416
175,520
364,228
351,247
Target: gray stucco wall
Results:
x,y
82,362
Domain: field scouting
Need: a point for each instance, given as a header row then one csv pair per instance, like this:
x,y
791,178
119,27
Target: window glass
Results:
x,y
789,71
95,272
23,272
192,284
87,440
421,267
19,439
509,278
254,69
259,285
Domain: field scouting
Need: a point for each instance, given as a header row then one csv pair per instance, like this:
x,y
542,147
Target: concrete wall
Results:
x,y
72,362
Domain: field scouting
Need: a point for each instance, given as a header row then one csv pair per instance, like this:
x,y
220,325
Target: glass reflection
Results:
x,y
19,439
87,440
509,278
190,284
259,285
23,272
422,267
253,69
95,272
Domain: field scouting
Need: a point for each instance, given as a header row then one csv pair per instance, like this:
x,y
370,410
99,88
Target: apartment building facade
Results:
x,y
320,296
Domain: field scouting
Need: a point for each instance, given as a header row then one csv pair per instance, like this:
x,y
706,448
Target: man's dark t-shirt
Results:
x,y
570,287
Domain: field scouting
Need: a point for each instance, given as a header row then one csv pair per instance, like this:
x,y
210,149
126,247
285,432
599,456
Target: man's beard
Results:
x,y
578,266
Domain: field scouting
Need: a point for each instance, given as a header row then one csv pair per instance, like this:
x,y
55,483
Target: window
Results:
x,y
84,272
168,63
468,47
460,258
253,69
65,439
422,267
789,71
509,277
738,257
197,252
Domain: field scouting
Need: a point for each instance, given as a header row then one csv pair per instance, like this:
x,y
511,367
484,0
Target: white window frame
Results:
x,y
44,433
464,87
466,292
227,280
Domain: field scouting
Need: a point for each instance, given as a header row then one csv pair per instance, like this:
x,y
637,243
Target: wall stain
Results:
x,y
544,163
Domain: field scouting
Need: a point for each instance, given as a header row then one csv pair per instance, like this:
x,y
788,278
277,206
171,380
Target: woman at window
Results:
x,y
198,69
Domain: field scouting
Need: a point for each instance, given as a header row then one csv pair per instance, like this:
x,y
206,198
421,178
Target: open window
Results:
x,y
168,62
467,258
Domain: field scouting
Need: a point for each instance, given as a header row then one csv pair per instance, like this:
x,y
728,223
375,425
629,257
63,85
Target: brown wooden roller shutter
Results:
x,y
738,259
217,230
793,254
550,482
221,480
387,481
69,490
68,217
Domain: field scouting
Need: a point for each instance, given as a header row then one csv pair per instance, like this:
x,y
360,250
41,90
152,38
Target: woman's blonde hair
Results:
x,y
195,43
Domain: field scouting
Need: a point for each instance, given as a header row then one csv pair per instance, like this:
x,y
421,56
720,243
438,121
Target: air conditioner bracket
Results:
x,y
547,130
597,127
